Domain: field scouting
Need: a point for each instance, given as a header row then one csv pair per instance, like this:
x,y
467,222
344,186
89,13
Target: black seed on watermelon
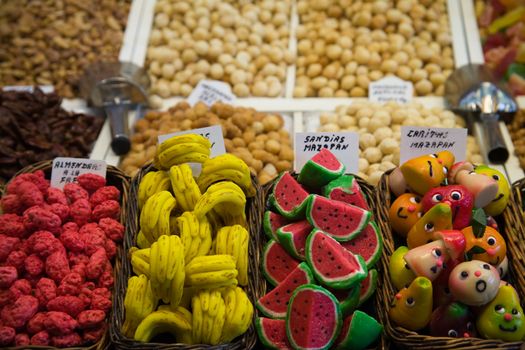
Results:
x,y
358,332
272,333
277,264
288,197
368,244
319,208
313,320
293,237
346,189
274,303
343,272
320,170
271,222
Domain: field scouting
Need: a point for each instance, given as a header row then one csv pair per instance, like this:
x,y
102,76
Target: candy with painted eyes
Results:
x,y
442,294
500,201
502,318
404,212
400,273
493,245
483,188
412,306
452,320
424,172
428,260
438,218
503,267
457,197
474,282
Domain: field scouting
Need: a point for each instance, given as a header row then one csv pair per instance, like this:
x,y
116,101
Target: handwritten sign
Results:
x,y
46,89
344,145
211,91
66,170
417,141
390,89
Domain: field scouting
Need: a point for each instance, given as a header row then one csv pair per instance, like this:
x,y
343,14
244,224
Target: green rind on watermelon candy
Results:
x,y
368,244
320,330
271,222
331,264
346,189
276,263
368,287
359,330
293,238
320,170
340,220
272,333
348,299
274,303
288,197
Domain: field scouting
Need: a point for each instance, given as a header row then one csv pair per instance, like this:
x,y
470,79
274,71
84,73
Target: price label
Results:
x,y
211,91
47,89
344,145
390,89
66,170
417,141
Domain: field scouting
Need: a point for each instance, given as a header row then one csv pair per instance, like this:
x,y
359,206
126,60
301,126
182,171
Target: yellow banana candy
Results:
x,y
149,216
218,323
238,315
233,240
205,279
180,139
197,319
142,242
210,263
221,193
184,186
151,183
183,153
226,167
138,303
162,321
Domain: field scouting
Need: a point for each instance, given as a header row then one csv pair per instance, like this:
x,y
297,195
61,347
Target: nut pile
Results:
x,y
56,249
33,127
242,43
517,133
379,128
259,139
343,45
50,42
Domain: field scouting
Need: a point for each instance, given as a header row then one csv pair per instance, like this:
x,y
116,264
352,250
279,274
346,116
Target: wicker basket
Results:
x,y
412,340
369,192
114,177
254,288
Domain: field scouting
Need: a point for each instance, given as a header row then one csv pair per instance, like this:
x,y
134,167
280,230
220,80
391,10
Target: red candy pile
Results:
x,y
55,252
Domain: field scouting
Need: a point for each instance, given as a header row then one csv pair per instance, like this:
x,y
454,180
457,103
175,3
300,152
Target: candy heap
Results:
x,y
192,248
320,258
55,252
449,276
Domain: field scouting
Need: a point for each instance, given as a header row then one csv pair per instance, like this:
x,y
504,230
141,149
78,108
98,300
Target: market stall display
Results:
x,y
51,42
259,139
342,46
517,133
242,44
34,127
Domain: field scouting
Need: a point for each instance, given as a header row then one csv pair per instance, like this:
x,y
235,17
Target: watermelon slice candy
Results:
x,y
272,333
274,303
359,330
271,222
276,263
348,298
368,244
288,197
322,168
332,264
346,189
340,220
293,237
368,287
313,320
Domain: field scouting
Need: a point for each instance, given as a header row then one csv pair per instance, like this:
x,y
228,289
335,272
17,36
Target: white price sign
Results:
x,y
417,141
211,91
66,170
390,89
344,145
46,89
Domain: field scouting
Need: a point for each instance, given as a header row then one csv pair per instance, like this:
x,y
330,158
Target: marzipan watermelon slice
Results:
x,y
358,332
288,197
320,170
348,298
272,333
277,264
346,189
275,302
332,264
368,287
340,220
368,244
271,222
293,237
314,319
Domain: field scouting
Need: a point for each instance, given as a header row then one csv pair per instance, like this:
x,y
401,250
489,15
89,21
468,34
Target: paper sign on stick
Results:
x,y
344,145
211,91
390,89
417,141
66,170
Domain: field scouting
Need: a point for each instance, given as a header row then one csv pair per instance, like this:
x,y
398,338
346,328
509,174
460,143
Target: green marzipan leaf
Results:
x,y
479,222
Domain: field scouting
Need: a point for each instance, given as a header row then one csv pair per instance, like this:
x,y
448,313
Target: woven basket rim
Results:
x,y
410,339
254,288
114,176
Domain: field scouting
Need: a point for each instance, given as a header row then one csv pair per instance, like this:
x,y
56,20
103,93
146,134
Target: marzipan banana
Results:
x,y
159,322
186,138
220,193
138,303
151,183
